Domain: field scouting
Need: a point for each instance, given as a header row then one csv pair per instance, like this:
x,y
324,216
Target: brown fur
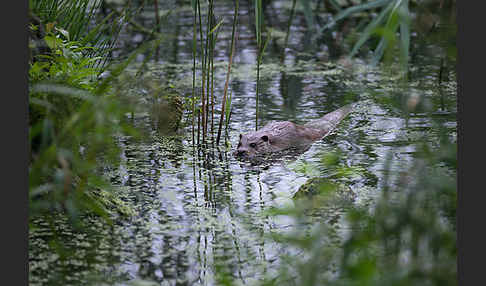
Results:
x,y
278,136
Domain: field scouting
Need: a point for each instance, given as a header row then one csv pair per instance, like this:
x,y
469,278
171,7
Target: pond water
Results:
x,y
203,213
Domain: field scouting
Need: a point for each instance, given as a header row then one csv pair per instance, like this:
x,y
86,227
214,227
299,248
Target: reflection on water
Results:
x,y
201,212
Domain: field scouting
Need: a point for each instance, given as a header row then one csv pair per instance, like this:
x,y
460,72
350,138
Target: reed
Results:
x,y
208,61
206,67
212,87
286,40
203,75
194,48
228,112
212,45
230,61
203,79
261,46
157,26
258,27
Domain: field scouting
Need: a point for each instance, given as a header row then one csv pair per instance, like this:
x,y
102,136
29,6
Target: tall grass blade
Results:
x,y
370,28
258,22
379,50
355,9
404,35
267,40
194,48
232,48
210,64
157,26
228,111
203,80
258,27
286,40
216,27
308,14
212,44
335,5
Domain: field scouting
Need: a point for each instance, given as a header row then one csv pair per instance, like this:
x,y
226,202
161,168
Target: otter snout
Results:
x,y
241,153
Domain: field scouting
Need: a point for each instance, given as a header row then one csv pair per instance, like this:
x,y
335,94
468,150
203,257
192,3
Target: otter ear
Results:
x,y
264,138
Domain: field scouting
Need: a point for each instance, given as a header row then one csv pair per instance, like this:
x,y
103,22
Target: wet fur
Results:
x,y
278,136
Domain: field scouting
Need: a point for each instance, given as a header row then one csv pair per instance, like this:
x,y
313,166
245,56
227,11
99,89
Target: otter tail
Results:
x,y
329,121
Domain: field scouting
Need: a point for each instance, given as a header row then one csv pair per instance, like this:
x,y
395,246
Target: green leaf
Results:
x,y
404,34
308,13
52,42
228,105
258,21
63,32
355,9
370,29
217,26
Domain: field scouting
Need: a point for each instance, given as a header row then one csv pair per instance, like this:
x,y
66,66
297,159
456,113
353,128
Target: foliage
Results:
x,y
408,237
66,63
73,16
74,20
66,149
394,16
74,120
406,241
71,146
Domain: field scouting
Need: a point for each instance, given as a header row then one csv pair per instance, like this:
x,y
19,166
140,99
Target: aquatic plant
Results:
x,y
194,53
226,103
286,40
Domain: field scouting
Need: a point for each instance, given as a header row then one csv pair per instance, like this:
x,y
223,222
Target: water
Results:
x,y
203,214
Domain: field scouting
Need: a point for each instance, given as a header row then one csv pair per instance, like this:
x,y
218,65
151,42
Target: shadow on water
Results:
x,y
200,210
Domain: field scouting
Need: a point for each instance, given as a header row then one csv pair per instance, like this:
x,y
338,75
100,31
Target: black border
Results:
x,y
470,202
14,116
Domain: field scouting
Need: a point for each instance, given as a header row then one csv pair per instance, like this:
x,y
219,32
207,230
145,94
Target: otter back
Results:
x,y
281,135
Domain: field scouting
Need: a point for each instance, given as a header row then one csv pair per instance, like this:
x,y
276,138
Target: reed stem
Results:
x,y
232,48
203,68
212,72
292,12
207,66
258,27
194,47
157,26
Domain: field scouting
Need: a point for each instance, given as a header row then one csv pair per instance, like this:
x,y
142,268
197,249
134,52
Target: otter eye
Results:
x,y
252,145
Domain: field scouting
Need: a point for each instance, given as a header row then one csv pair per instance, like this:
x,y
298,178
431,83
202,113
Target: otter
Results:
x,y
283,135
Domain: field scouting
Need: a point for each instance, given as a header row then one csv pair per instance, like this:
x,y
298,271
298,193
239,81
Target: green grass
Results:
x,y
74,22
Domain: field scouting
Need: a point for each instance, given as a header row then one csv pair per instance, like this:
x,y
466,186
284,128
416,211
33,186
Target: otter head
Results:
x,y
252,144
